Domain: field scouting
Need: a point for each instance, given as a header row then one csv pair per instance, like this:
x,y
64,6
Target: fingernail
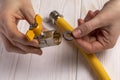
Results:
x,y
77,33
40,53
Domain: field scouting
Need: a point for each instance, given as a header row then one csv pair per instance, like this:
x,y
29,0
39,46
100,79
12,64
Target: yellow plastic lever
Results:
x,y
91,58
36,30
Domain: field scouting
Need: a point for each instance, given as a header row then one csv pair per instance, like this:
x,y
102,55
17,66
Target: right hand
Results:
x,y
11,11
100,32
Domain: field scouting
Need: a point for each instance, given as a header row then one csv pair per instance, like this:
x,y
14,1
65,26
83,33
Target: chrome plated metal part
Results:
x,y
49,38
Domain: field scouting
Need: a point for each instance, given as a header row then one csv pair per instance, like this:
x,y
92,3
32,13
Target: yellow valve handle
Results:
x,y
36,30
38,19
30,35
91,58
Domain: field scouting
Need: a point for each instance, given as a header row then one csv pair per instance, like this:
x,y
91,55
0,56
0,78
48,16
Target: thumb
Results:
x,y
102,19
87,27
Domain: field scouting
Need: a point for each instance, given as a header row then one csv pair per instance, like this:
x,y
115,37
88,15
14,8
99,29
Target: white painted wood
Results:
x,y
110,59
56,63
1,44
84,71
61,62
6,62
89,5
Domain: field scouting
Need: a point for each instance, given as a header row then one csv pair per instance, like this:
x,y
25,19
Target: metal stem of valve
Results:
x,y
33,25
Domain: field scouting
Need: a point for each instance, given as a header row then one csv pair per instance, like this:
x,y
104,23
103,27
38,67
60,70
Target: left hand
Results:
x,y
12,11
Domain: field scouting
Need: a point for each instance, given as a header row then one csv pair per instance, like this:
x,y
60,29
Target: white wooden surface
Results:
x,y
61,62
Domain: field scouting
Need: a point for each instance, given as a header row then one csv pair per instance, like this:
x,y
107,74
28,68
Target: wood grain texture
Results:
x,y
84,69
57,63
62,62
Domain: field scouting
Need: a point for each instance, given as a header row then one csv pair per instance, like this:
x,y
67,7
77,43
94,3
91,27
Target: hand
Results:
x,y
99,30
11,11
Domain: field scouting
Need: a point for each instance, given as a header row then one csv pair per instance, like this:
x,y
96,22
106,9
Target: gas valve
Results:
x,y
45,38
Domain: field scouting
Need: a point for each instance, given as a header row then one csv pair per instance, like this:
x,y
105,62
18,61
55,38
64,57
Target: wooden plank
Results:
x,y
6,62
84,71
59,62
89,5
1,46
110,58
21,69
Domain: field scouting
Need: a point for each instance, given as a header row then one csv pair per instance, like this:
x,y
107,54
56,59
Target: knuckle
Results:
x,y
86,28
35,50
26,52
112,44
8,49
4,16
15,43
93,49
12,36
109,44
89,51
